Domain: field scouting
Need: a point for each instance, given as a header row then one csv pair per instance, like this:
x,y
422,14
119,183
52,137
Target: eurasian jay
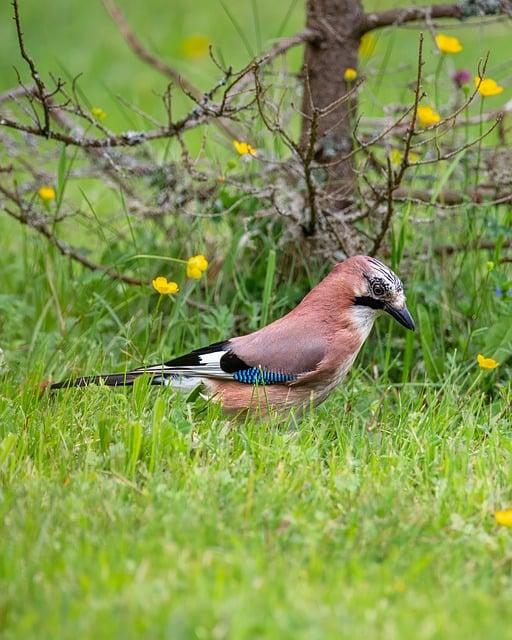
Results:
x,y
293,362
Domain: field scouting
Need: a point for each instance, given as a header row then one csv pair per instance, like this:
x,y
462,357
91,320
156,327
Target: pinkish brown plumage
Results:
x,y
295,361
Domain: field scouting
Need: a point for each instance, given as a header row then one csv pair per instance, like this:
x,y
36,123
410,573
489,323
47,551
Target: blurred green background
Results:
x,y
131,514
71,37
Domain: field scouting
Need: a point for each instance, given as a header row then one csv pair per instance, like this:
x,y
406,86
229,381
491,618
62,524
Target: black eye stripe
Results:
x,y
368,301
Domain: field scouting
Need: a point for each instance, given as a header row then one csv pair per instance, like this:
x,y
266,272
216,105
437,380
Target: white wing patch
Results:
x,y
180,383
208,367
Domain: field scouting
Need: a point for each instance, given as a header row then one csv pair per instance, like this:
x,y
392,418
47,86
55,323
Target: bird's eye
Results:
x,y
378,290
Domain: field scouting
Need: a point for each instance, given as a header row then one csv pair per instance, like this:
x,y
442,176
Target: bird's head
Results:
x,y
376,289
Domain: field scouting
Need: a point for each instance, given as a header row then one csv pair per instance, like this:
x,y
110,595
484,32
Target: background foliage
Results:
x,y
128,514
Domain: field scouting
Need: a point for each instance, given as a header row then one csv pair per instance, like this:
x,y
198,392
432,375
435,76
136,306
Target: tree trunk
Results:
x,y
329,119
338,23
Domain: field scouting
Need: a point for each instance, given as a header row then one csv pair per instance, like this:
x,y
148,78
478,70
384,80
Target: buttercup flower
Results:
x,y
164,287
244,148
46,193
448,44
98,113
461,77
504,517
367,45
350,74
196,265
195,47
486,363
396,156
487,87
428,116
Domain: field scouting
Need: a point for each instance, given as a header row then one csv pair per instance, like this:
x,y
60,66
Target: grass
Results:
x,y
134,514
129,514
125,516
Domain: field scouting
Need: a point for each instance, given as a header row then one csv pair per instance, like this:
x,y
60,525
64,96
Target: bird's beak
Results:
x,y
401,315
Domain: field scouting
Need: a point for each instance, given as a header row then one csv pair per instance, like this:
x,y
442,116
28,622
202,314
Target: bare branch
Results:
x,y
17,92
194,119
449,249
157,63
389,211
396,17
24,216
451,154
141,52
427,13
394,181
41,89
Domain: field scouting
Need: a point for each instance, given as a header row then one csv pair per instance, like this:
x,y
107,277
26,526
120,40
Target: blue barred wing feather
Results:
x,y
219,361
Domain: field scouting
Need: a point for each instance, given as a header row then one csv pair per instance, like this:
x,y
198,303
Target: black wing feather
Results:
x,y
229,362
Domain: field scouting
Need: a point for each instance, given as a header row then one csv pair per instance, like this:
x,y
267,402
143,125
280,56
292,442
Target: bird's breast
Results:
x,y
362,320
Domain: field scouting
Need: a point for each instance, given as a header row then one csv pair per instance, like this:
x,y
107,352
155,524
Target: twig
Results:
x,y
141,52
65,249
374,123
451,154
389,212
412,124
448,198
395,181
41,89
157,63
17,92
449,249
308,174
126,139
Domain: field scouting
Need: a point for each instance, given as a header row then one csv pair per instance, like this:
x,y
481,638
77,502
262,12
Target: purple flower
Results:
x,y
462,77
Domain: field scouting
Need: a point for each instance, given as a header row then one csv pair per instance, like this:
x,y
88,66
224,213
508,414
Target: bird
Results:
x,y
292,363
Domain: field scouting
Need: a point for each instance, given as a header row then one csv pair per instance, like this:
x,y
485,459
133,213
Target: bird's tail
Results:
x,y
110,380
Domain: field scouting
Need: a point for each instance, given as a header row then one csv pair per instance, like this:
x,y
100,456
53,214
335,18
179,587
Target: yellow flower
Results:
x,y
195,47
196,265
487,87
448,44
395,156
428,116
46,193
201,261
194,272
350,74
98,113
367,45
244,148
486,363
504,517
164,287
